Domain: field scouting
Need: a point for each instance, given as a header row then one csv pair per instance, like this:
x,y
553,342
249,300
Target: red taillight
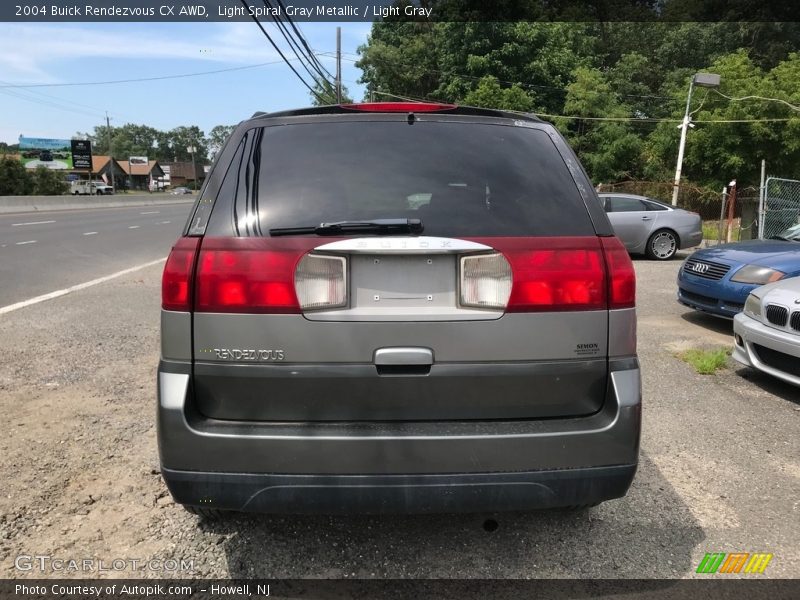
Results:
x,y
176,281
621,274
566,273
553,274
399,106
249,275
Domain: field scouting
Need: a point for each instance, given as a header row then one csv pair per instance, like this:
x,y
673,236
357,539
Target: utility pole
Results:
x,y
684,128
110,153
702,80
338,65
762,192
194,169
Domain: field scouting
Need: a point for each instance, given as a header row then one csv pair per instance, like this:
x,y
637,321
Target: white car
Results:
x,y
767,333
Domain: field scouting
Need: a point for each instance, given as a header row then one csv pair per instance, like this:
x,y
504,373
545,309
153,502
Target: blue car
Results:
x,y
718,280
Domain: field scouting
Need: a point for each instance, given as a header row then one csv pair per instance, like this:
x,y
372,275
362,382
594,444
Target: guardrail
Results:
x,y
20,204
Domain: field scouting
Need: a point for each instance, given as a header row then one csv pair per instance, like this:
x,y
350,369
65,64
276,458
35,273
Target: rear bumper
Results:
x,y
382,494
690,237
398,466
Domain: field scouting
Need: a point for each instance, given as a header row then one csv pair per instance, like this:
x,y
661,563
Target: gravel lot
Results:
x,y
719,471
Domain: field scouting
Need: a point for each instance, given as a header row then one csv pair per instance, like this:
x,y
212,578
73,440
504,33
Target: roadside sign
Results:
x,y
82,154
45,152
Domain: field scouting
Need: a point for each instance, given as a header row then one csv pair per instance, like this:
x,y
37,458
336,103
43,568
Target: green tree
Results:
x,y
490,94
48,182
731,137
537,57
15,180
142,140
610,150
217,138
181,138
400,58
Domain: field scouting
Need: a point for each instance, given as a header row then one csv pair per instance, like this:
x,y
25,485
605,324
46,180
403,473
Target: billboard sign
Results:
x,y
81,154
45,152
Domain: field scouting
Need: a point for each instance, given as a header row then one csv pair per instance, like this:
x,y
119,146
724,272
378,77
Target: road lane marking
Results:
x,y
163,222
31,223
150,212
133,227
90,233
28,242
75,288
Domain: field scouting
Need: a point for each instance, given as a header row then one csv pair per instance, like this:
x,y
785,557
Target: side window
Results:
x,y
622,204
232,198
654,206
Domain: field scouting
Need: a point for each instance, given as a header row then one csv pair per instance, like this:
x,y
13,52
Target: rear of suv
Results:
x,y
396,307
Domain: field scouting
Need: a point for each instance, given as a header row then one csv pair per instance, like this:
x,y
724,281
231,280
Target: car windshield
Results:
x,y
791,234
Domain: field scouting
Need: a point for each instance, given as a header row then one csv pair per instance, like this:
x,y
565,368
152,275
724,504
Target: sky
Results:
x,y
53,53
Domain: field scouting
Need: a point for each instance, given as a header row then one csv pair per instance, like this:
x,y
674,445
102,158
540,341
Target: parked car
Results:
x,y
718,280
767,332
397,307
81,187
181,191
650,227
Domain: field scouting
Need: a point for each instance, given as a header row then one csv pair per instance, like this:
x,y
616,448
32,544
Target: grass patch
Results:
x,y
710,230
706,362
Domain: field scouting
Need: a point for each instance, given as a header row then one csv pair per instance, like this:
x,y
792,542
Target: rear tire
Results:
x,y
662,245
205,514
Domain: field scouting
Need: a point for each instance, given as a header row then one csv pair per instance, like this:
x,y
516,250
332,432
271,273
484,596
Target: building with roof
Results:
x,y
105,168
184,174
141,176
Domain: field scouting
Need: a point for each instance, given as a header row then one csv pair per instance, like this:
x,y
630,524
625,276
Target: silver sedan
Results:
x,y
647,226
767,332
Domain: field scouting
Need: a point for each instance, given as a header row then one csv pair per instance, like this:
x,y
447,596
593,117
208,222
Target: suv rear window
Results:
x,y
460,179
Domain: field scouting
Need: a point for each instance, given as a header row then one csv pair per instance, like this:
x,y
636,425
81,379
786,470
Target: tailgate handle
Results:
x,y
403,361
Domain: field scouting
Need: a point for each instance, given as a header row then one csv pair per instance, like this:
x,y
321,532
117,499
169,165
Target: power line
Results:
x,y
56,98
278,50
619,119
792,106
48,103
659,120
294,47
303,41
526,85
140,79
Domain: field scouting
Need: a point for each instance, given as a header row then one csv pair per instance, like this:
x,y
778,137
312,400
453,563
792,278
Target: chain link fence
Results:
x,y
781,206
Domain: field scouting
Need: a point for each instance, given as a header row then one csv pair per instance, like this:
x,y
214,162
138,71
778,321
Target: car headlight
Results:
x,y
752,306
757,275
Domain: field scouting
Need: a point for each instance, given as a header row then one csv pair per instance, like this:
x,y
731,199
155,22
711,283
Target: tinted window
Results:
x,y
651,205
461,179
622,204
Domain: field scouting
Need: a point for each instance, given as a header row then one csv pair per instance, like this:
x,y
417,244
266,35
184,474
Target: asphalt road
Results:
x,y
719,470
46,251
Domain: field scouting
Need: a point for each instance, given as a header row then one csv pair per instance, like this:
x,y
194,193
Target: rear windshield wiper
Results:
x,y
378,226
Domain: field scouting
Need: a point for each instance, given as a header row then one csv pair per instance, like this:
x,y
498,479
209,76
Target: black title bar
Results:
x,y
33,11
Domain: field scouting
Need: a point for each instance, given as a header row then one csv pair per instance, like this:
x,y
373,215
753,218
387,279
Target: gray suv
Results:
x,y
394,307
